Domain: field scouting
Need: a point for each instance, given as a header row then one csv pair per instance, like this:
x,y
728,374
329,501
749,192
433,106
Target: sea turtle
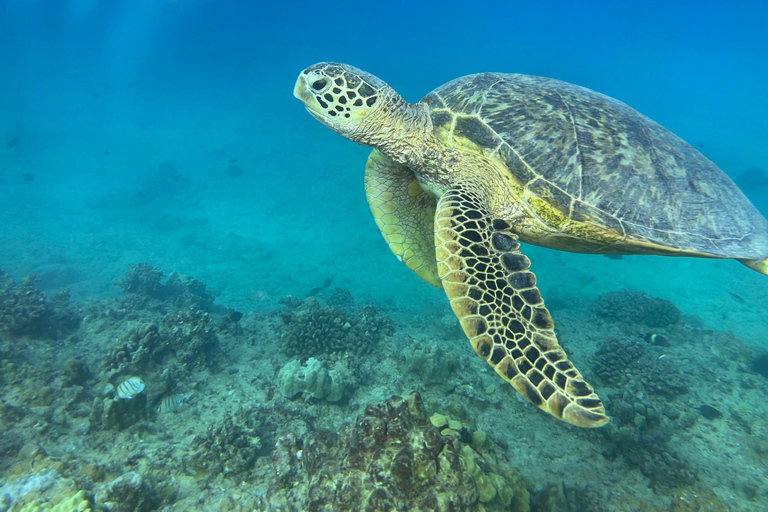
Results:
x,y
487,160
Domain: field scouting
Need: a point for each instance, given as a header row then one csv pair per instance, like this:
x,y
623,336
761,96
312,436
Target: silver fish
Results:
x,y
130,387
172,403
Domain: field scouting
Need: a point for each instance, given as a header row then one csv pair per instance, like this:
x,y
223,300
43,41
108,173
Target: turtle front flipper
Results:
x,y
495,297
404,214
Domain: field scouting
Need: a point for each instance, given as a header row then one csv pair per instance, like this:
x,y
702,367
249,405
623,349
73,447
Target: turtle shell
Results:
x,y
597,161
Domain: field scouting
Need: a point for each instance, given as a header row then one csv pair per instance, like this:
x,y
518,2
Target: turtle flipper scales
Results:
x,y
404,214
495,297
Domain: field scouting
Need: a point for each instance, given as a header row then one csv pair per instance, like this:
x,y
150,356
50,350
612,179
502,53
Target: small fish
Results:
x,y
656,339
130,387
613,256
737,298
172,403
12,143
315,291
709,412
28,176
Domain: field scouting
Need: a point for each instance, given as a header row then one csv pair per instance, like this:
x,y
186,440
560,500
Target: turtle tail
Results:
x,y
757,265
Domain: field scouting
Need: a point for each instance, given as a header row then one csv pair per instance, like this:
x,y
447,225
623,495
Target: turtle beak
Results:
x,y
302,93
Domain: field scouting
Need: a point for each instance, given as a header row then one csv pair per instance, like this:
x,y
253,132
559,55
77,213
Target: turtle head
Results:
x,y
343,98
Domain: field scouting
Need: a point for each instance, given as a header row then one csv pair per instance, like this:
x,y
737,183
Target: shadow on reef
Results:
x,y
161,400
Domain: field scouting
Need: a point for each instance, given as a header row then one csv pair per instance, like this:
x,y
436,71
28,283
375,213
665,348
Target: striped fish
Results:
x,y
172,403
130,387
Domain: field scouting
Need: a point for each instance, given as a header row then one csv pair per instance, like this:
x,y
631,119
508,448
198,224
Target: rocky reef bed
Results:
x,y
162,400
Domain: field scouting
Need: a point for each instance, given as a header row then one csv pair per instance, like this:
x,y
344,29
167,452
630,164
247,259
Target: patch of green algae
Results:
x,y
79,502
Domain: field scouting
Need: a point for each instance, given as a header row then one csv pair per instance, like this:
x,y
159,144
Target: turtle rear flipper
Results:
x,y
495,297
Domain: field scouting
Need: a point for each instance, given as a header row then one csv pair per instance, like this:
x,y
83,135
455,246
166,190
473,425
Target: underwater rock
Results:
x,y
143,279
45,491
391,458
191,336
24,310
340,298
134,351
431,363
10,444
119,414
142,282
630,306
310,329
314,379
188,292
230,448
12,373
75,373
641,431
129,492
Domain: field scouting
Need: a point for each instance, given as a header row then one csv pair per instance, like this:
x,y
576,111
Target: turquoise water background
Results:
x,y
166,132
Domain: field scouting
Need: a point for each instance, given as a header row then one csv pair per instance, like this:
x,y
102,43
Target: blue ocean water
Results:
x,y
166,132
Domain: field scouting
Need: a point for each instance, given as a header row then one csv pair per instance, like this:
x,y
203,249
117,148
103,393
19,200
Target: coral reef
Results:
x,y
641,432
116,413
686,414
24,310
129,492
44,491
391,458
431,363
143,279
312,378
340,298
644,413
311,329
135,350
191,336
187,337
142,282
635,307
232,447
634,363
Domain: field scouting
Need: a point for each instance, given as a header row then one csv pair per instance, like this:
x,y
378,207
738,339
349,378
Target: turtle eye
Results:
x,y
319,84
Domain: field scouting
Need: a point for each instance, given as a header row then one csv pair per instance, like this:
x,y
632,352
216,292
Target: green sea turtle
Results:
x,y
455,180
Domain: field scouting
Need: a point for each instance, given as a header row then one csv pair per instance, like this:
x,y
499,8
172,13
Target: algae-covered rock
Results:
x,y
45,491
391,458
129,492
192,337
430,362
231,447
119,414
24,310
312,378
